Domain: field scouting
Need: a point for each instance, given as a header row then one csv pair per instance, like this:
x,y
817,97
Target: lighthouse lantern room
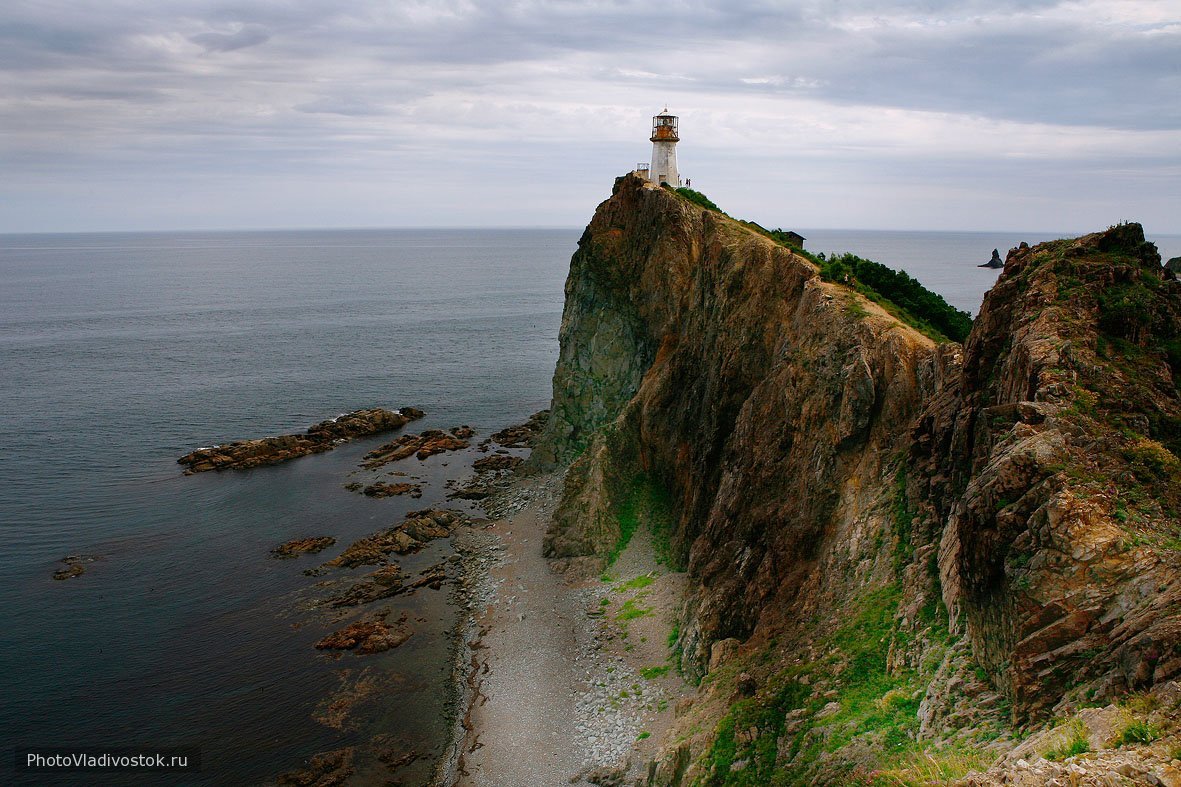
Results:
x,y
663,167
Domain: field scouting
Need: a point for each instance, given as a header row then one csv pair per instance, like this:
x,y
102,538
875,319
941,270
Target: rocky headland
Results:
x,y
324,436
904,557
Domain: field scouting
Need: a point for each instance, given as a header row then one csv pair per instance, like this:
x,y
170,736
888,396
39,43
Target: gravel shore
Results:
x,y
560,688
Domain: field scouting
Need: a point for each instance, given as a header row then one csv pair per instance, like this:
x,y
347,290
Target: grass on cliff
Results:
x,y
697,198
898,293
872,700
643,501
895,291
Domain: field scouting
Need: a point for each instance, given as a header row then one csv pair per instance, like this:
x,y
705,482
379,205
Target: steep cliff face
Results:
x,y
1047,467
835,483
716,362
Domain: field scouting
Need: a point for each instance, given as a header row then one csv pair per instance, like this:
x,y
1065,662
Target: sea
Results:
x,y
119,352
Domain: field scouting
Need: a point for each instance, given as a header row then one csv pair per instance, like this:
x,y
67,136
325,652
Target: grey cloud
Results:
x,y
247,36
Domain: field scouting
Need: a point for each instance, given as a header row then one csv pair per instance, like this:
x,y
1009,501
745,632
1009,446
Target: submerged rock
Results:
x,y
303,546
326,768
75,566
324,436
372,635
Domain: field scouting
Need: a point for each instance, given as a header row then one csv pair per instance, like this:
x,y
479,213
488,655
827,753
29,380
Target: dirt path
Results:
x,y
574,682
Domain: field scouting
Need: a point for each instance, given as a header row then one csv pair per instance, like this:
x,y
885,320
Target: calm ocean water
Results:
x,y
120,352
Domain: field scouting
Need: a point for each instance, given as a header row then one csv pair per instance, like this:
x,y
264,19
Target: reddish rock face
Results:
x,y
764,400
1049,457
812,449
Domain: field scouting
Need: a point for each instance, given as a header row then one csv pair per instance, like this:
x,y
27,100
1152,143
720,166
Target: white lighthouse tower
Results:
x,y
663,168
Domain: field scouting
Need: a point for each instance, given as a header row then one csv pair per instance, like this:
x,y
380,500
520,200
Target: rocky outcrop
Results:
x,y
522,435
979,535
303,546
1033,467
324,436
995,262
718,363
429,443
418,528
371,635
383,489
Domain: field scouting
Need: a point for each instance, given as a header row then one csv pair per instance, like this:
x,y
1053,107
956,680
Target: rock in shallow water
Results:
x,y
429,443
372,635
324,436
302,546
74,566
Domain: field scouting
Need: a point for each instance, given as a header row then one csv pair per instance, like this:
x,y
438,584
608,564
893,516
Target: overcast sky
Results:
x,y
965,114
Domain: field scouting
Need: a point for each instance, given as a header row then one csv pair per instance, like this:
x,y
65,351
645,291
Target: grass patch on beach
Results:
x,y
631,611
652,673
640,582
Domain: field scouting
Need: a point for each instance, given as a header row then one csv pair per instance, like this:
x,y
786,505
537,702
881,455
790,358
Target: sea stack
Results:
x,y
995,262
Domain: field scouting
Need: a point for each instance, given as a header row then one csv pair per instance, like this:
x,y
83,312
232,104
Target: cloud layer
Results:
x,y
1029,114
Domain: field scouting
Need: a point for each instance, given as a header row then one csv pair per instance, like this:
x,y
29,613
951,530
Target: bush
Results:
x,y
897,288
1074,743
1138,731
697,198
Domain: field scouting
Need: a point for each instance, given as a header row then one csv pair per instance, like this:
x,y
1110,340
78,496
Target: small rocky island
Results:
x,y
995,262
324,436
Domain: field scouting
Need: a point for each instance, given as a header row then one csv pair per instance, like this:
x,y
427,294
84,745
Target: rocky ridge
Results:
x,y
324,436
895,549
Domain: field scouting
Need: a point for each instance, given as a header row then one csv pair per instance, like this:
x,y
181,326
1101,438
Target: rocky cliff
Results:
x,y
894,546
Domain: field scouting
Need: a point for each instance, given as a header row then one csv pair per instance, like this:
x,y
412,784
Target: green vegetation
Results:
x,y
640,582
631,610
899,294
872,700
1137,731
697,198
1074,743
895,291
642,500
652,673
643,735
902,521
929,767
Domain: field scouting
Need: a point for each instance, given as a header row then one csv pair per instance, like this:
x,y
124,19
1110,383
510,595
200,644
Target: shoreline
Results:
x,y
549,687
